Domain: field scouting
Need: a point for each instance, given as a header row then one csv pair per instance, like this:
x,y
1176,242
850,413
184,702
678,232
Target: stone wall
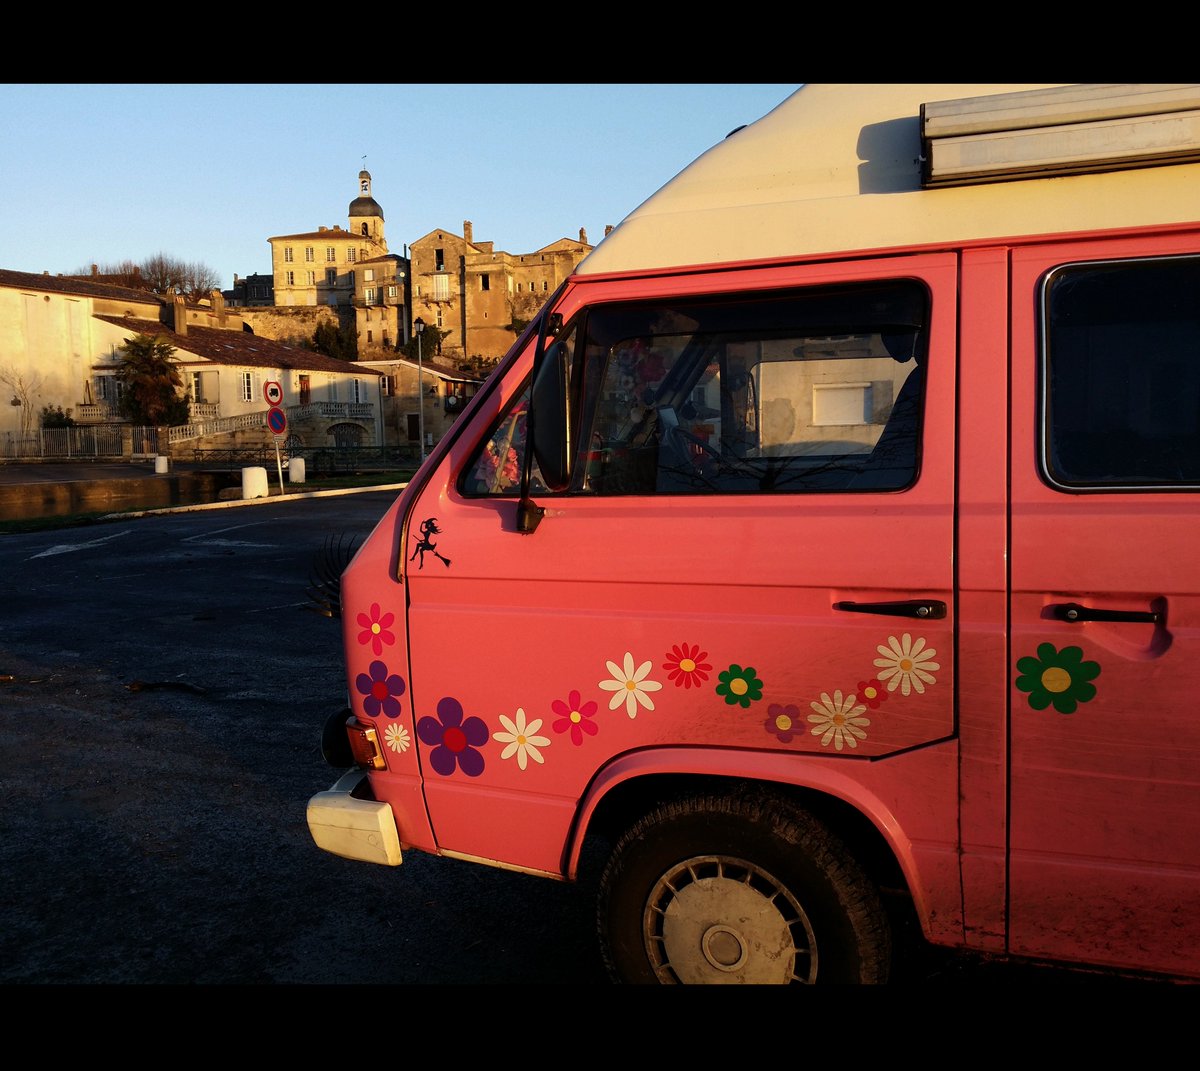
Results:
x,y
295,324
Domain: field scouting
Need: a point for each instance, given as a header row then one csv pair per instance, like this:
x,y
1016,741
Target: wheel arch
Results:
x,y
632,785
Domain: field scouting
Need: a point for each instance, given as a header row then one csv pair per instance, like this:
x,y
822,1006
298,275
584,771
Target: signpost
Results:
x,y
277,422
273,391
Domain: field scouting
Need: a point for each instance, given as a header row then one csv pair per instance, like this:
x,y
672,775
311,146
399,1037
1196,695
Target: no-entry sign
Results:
x,y
277,420
273,391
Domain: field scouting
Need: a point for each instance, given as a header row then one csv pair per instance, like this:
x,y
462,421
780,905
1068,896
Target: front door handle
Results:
x,y
925,609
1073,611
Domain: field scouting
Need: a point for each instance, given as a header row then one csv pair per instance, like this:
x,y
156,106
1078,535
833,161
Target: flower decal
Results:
x,y
380,690
454,739
784,722
906,665
1058,677
396,737
686,666
629,686
574,717
519,739
838,720
871,692
739,686
376,629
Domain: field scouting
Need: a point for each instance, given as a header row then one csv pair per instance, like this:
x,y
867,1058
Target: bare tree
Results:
x,y
25,389
161,274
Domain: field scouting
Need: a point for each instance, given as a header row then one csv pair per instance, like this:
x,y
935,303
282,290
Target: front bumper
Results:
x,y
353,827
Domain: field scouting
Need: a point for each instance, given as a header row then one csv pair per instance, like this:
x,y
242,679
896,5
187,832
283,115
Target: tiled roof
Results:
x,y
59,284
329,232
236,347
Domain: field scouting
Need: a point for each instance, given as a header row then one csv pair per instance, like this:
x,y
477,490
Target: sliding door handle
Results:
x,y
1073,611
924,609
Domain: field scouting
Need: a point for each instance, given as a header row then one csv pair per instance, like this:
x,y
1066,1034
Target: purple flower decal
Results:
x,y
784,722
453,739
380,691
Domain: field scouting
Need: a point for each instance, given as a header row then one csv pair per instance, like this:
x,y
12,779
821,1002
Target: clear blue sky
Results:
x,y
100,173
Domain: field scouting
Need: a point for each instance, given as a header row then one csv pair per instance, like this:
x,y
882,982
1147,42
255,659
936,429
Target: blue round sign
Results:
x,y
277,420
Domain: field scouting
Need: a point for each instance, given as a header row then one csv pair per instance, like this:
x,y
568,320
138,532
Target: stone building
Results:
x,y
480,295
349,269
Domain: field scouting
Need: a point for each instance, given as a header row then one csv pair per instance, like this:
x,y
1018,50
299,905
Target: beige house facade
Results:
x,y
61,343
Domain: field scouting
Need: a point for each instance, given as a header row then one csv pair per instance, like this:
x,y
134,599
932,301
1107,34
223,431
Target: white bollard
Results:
x,y
296,470
161,465
254,482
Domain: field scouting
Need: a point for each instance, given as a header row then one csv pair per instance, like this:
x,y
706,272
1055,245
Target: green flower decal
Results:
x,y
1058,677
739,686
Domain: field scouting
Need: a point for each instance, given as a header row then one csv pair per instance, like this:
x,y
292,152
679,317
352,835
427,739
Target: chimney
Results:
x,y
607,229
583,236
95,270
468,231
320,230
180,315
217,300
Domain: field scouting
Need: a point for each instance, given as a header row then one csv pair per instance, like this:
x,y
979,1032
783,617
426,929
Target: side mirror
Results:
x,y
550,403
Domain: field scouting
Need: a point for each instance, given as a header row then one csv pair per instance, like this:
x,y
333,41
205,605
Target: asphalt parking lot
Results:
x,y
163,680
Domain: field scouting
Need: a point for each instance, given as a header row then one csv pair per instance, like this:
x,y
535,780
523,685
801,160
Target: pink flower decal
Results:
x,y
872,693
454,739
573,717
686,666
380,690
376,629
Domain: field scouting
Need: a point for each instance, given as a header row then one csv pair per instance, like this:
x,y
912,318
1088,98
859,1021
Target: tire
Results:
x,y
738,889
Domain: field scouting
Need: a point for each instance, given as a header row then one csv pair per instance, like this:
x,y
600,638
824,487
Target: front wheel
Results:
x,y
738,889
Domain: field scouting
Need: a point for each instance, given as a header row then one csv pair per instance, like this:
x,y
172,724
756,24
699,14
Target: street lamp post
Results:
x,y
419,328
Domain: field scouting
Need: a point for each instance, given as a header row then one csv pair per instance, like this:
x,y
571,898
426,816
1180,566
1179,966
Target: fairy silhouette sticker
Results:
x,y
427,545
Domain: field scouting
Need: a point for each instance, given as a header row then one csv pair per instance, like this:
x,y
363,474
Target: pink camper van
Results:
x,y
829,539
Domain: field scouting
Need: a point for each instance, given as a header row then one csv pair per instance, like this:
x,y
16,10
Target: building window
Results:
x,y
352,255
287,254
247,386
518,288
439,257
485,282
545,286
356,391
439,317
368,275
391,291
331,276
330,254
290,276
441,288
312,278
370,339
350,277
370,295
308,253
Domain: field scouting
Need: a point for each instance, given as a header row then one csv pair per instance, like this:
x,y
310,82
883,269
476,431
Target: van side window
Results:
x,y
799,391
1121,375
781,392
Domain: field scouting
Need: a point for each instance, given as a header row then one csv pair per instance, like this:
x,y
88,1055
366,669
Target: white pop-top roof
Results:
x,y
837,168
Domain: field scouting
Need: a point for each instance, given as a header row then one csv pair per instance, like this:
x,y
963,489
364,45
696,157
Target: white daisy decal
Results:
x,y
629,686
520,739
906,665
837,719
396,737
